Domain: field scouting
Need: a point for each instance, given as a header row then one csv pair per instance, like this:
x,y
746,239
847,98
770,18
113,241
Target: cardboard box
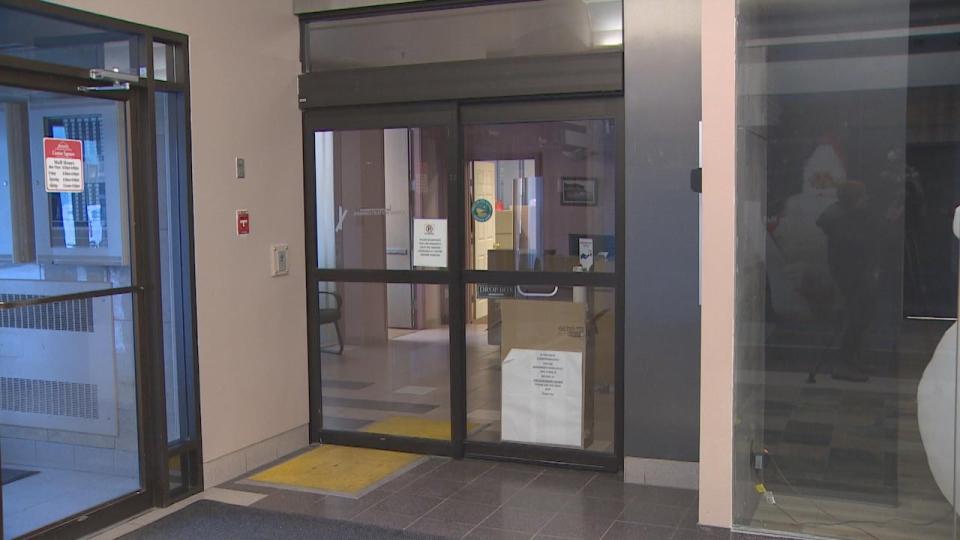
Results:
x,y
547,327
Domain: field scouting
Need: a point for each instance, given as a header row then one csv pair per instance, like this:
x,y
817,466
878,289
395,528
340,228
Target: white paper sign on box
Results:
x,y
430,243
542,399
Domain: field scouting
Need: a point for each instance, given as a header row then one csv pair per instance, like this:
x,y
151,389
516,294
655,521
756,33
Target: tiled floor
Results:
x,y
482,499
53,494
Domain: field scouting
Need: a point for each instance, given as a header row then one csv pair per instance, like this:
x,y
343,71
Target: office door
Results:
x,y
71,325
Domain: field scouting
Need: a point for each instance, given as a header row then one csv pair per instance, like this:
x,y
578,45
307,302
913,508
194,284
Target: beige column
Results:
x,y
719,239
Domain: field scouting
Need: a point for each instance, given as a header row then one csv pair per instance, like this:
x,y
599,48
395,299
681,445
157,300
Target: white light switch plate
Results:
x,y
280,262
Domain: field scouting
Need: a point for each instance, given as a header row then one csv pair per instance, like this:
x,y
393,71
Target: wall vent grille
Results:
x,y
57,398
67,316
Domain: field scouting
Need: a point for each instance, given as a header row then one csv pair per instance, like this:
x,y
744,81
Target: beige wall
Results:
x,y
252,328
718,42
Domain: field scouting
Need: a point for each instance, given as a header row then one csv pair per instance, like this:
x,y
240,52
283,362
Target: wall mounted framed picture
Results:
x,y
577,191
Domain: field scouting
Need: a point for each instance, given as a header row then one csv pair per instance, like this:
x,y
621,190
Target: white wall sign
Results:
x,y
542,397
430,242
63,165
586,254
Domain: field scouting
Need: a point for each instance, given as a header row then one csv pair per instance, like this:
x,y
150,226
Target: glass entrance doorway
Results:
x,y
464,298
99,409
69,397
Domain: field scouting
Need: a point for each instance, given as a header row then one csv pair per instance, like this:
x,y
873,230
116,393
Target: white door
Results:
x,y
484,233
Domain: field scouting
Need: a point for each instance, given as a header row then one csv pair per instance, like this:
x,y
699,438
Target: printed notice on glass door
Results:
x,y
63,165
430,243
542,399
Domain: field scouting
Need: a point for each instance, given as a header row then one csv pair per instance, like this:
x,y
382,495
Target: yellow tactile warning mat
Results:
x,y
338,470
411,426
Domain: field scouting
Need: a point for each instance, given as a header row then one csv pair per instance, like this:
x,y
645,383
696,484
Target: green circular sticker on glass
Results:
x,y
482,210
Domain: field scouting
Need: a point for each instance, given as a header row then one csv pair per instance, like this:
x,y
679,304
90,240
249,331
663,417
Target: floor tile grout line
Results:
x,y
447,498
607,530
579,491
498,508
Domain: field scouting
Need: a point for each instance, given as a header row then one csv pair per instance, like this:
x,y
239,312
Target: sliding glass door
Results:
x,y
541,280
464,278
381,288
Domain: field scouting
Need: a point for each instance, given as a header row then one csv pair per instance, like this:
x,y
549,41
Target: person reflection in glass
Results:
x,y
853,259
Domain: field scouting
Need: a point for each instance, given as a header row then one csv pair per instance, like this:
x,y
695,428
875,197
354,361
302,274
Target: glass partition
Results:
x,y
848,183
504,30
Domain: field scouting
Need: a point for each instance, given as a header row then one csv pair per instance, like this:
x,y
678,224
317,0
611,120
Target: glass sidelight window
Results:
x,y
848,187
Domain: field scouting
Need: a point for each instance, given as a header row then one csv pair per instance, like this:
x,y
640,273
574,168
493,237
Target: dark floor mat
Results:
x,y
213,520
12,475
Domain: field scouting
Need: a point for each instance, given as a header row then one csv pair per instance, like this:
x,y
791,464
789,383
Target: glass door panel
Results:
x,y
68,392
540,195
374,188
540,366
381,319
381,376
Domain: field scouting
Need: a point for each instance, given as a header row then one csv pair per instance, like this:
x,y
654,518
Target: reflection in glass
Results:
x,y
375,189
175,263
68,402
56,41
80,219
541,196
849,175
540,365
519,29
68,409
76,240
163,62
385,358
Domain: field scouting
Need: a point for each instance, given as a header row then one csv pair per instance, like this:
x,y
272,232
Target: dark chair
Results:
x,y
332,316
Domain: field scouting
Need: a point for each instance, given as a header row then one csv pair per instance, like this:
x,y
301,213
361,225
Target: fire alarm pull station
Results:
x,y
243,222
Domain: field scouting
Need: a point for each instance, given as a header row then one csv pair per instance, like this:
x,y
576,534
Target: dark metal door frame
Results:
x,y
144,291
454,115
349,118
